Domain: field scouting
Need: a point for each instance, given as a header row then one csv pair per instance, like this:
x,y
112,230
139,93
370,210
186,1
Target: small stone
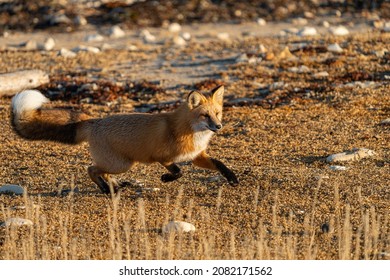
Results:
x,y
269,56
147,36
178,227
59,19
261,22
186,36
174,27
385,122
320,75
285,54
381,53
83,48
12,189
339,30
307,31
386,27
224,36
48,45
301,69
325,24
16,222
335,48
299,21
338,167
67,53
116,32
179,41
355,154
262,49
309,15
93,38
80,21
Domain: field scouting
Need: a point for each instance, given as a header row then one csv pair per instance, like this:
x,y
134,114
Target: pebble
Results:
x,y
338,167
178,226
301,69
355,154
186,36
325,24
285,54
307,31
48,45
386,27
224,36
385,122
339,30
30,45
16,222
116,32
174,27
80,20
261,22
12,189
367,84
320,75
83,48
67,53
59,19
179,41
147,36
335,48
299,21
93,38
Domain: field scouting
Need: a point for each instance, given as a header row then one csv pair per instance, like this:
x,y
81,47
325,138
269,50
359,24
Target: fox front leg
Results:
x,y
205,161
174,172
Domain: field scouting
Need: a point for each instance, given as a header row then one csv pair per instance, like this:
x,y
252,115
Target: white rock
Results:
x,y
178,226
307,31
116,32
325,24
48,45
179,41
359,84
59,19
261,22
147,36
83,48
338,167
224,36
174,27
308,14
11,189
17,222
30,45
335,48
322,74
132,48
277,85
67,53
93,38
262,49
355,154
186,36
385,122
339,30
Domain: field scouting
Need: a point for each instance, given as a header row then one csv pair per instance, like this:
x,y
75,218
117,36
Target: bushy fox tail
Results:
x,y
32,122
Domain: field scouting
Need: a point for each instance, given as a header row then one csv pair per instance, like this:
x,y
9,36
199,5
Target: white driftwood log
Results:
x,y
12,83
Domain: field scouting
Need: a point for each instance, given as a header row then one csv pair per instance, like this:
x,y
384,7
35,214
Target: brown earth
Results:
x,y
276,137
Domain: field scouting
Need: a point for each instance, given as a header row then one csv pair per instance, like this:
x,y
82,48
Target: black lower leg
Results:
x,y
175,173
104,187
226,172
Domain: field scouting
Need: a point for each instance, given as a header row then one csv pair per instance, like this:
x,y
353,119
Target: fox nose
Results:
x,y
218,126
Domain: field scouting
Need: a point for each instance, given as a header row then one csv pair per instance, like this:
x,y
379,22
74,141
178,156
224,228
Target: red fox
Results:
x,y
118,142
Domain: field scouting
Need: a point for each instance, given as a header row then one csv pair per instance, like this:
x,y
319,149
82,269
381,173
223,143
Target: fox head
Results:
x,y
206,110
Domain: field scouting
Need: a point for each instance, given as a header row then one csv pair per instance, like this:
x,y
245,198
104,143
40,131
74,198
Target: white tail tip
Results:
x,y
27,100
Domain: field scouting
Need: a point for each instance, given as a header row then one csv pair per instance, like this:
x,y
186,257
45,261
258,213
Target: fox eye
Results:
x,y
205,115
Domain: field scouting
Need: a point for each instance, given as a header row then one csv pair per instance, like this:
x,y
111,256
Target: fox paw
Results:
x,y
169,177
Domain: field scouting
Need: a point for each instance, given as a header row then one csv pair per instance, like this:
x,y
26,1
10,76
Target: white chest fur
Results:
x,y
201,140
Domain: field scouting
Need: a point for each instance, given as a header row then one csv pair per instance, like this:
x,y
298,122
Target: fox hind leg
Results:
x,y
174,172
102,179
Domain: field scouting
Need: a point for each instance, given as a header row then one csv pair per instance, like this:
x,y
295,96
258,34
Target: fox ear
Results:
x,y
195,99
218,94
